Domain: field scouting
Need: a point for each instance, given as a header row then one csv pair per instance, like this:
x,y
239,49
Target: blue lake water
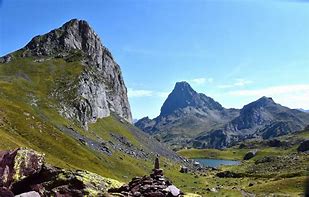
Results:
x,y
216,162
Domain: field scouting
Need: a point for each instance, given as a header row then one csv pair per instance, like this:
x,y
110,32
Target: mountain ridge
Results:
x,y
201,122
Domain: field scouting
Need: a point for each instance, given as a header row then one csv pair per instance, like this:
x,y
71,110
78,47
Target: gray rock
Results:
x,y
184,169
304,146
29,194
250,154
100,89
173,190
191,119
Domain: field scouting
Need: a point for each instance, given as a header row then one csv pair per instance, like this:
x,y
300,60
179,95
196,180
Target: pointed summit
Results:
x,y
183,96
183,86
75,35
261,102
265,100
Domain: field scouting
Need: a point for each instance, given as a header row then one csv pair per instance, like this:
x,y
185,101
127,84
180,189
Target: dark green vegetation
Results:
x,y
277,168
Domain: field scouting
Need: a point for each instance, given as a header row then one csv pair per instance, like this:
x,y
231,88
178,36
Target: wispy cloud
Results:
x,y
238,83
294,96
136,93
201,81
273,90
139,93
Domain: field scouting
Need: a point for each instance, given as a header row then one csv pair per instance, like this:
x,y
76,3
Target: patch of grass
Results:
x,y
290,186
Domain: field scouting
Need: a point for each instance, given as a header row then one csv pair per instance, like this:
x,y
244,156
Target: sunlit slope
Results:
x,y
29,117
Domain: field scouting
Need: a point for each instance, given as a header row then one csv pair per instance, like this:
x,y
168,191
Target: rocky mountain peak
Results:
x,y
72,36
265,100
101,89
183,86
261,102
183,96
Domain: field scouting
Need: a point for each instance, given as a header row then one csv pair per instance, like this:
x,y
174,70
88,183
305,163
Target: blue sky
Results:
x,y
234,51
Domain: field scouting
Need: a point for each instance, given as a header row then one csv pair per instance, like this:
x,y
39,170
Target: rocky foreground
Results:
x,y
23,172
154,185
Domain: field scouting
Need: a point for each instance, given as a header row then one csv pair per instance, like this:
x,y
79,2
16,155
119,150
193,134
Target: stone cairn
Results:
x,y
154,185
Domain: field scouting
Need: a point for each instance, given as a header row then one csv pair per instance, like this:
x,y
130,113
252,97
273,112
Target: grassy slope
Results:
x,y
285,176
23,124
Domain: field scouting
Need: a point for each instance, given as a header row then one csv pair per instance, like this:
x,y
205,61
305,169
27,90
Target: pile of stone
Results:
x,y
154,185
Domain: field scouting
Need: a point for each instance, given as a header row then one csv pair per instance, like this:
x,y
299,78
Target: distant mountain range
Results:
x,y
193,119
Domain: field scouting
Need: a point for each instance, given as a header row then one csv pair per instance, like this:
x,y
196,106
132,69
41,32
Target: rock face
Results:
x,y
100,88
23,172
18,164
193,119
184,96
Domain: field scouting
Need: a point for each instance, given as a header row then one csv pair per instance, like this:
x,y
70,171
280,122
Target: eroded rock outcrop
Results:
x,y
23,171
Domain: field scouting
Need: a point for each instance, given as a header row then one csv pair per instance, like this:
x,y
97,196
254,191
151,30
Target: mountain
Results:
x,y
99,88
184,115
63,95
184,96
262,118
303,110
189,118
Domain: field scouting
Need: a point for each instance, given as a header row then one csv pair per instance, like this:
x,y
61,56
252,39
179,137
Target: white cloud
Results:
x,y
133,93
139,93
293,96
162,94
238,83
201,81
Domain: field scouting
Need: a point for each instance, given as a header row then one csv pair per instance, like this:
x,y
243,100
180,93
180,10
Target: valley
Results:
x,y
63,101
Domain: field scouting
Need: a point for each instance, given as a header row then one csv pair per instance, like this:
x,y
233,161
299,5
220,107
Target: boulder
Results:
x,y
19,164
173,190
184,169
228,174
196,164
250,154
29,194
24,173
304,146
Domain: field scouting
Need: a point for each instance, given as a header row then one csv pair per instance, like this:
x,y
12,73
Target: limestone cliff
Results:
x,y
99,89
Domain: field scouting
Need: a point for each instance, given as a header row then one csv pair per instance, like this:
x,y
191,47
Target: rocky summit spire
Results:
x,y
101,88
183,96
